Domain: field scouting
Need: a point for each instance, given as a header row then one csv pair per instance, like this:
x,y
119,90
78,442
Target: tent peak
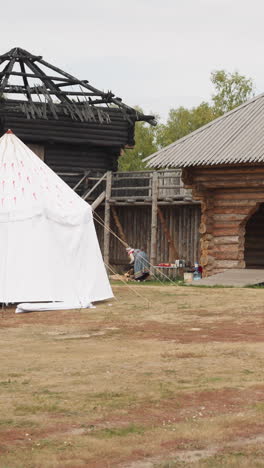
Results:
x,y
10,131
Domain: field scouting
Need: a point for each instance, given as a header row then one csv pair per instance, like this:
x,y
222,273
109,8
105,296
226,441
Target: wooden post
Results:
x,y
166,231
107,217
119,226
154,219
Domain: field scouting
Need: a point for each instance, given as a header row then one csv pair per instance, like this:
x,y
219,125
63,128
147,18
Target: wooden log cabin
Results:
x,y
73,126
223,164
80,131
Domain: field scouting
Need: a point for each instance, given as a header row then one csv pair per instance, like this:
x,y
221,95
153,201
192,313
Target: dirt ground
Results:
x,y
160,377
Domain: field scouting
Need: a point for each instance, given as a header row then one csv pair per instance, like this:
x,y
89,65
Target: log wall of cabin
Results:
x,y
229,198
182,221
79,158
119,131
71,145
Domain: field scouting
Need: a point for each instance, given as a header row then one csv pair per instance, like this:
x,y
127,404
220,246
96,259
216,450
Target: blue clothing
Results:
x,y
141,264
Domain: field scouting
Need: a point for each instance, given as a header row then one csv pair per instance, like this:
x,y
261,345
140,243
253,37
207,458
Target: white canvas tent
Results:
x,y
48,245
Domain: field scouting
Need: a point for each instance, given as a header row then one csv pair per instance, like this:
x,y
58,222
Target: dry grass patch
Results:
x,y
170,379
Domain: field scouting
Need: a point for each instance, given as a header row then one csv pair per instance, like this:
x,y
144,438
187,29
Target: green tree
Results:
x,y
182,121
145,144
231,90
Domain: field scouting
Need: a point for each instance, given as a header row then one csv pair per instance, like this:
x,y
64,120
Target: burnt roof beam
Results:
x,y
49,83
25,81
115,100
8,70
41,77
18,89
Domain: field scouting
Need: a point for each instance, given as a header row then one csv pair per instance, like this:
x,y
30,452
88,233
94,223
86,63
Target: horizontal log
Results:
x,y
227,264
229,255
241,195
226,248
231,231
212,172
234,203
225,217
228,176
229,240
226,224
232,209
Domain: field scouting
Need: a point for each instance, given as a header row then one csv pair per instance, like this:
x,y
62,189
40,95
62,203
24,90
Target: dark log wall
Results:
x,y
73,146
254,240
183,223
118,132
229,197
78,158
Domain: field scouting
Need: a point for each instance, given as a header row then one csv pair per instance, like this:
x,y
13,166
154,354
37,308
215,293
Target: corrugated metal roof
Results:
x,y
236,137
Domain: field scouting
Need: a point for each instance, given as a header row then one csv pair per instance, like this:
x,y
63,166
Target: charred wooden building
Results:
x,y
223,164
73,126
80,131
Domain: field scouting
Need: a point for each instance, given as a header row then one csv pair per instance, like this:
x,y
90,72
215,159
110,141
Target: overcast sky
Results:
x,y
153,53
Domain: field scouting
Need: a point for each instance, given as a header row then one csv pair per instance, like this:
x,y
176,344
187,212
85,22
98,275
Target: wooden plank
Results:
x,y
80,182
241,209
234,203
245,194
98,200
167,234
226,217
154,219
87,194
107,218
226,240
118,225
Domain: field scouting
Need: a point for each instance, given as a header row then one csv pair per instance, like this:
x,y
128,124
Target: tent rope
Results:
x,y
155,276
132,288
101,222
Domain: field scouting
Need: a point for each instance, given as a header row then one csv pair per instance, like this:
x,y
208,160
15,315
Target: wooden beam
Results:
x,y
154,219
18,89
118,225
37,75
80,182
107,218
87,194
25,80
166,231
112,97
63,98
8,70
98,201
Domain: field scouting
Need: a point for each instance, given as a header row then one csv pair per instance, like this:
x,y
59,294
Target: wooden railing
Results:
x,y
153,188
133,187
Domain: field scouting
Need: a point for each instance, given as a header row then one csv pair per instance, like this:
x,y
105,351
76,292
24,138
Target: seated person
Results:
x,y
139,261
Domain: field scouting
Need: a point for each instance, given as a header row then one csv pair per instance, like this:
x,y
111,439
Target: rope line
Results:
x,y
155,276
129,287
102,223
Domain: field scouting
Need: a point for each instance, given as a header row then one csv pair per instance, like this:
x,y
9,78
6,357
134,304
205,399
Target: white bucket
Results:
x,y
188,277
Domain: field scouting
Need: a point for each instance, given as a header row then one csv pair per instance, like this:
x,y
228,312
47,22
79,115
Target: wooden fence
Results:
x,y
149,209
182,222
